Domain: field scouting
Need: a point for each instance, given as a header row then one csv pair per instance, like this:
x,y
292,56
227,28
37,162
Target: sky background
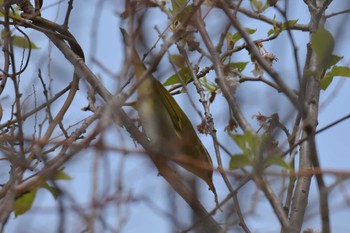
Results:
x,y
149,194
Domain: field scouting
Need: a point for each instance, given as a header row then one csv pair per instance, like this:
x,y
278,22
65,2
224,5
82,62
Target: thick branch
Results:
x,y
309,107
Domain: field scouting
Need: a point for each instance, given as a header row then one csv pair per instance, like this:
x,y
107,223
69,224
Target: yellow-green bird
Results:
x,y
167,126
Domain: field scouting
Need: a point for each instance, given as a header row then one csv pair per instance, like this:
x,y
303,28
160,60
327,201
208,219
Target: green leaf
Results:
x,y
326,81
336,71
24,202
230,42
209,86
237,36
273,31
334,59
182,76
240,141
240,66
253,141
54,191
340,71
258,6
278,161
323,44
22,42
289,23
249,143
61,175
278,28
239,161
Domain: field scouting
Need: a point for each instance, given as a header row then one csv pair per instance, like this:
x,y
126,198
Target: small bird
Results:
x,y
167,126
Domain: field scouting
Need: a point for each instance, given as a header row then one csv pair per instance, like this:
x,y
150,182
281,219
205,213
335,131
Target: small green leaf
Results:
x,y
323,44
273,31
209,86
182,76
251,31
258,6
240,66
336,71
249,143
54,191
289,23
278,161
239,161
237,36
24,202
228,36
340,71
278,28
253,141
61,175
22,42
240,140
326,81
334,59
